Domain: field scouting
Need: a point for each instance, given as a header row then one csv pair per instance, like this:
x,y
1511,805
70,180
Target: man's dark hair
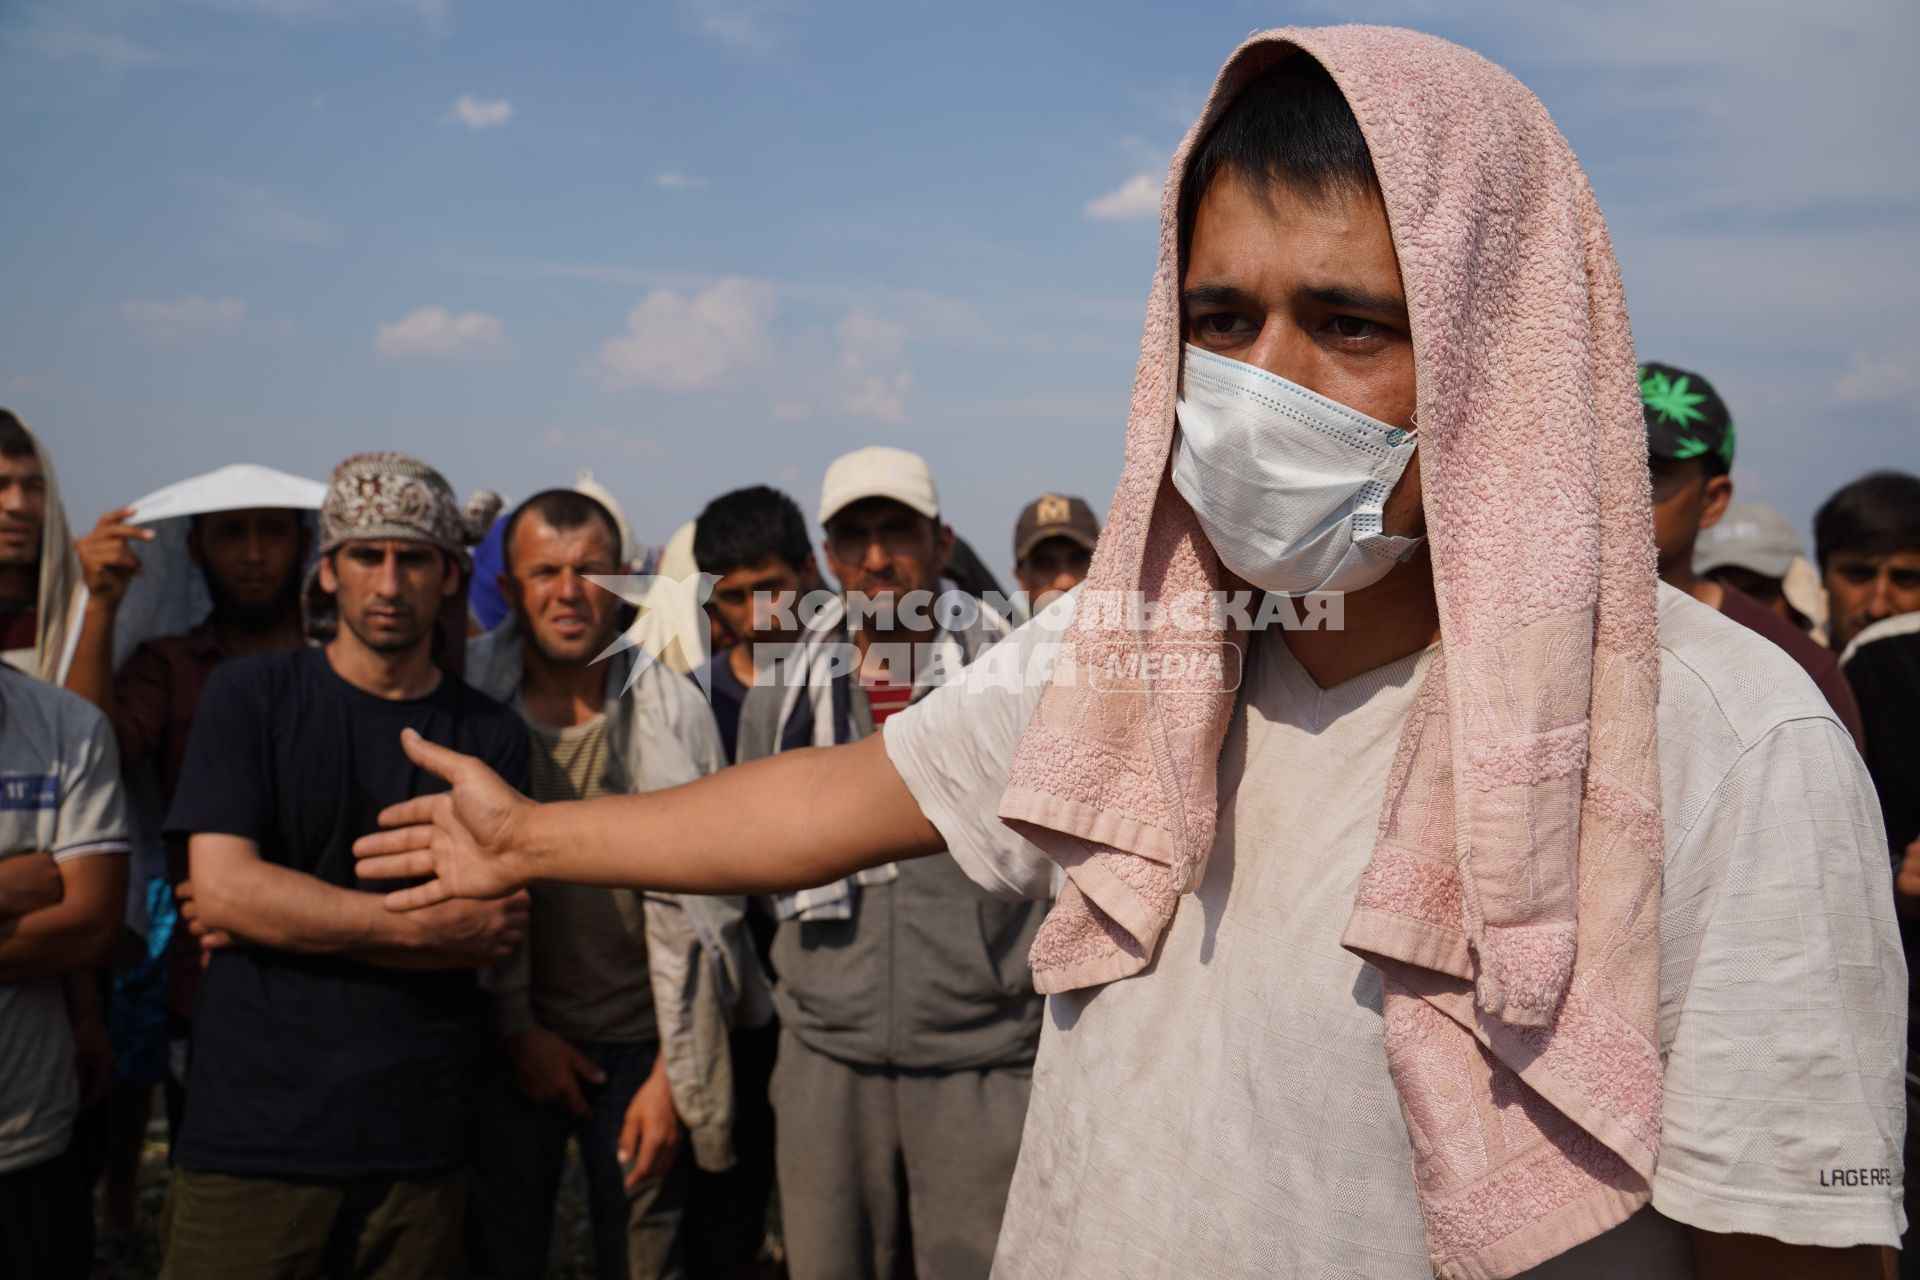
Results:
x,y
14,440
1290,127
564,509
745,527
1876,515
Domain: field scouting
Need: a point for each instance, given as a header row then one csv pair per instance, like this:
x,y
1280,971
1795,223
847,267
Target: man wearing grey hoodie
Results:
x,y
908,1015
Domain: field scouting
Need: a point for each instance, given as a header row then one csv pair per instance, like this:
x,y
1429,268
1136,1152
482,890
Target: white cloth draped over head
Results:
x,y
62,594
169,595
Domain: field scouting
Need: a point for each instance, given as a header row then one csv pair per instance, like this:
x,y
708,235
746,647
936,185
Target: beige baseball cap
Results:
x,y
878,471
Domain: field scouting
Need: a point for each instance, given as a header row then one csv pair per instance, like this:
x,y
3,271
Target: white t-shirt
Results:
x,y
1229,1113
59,794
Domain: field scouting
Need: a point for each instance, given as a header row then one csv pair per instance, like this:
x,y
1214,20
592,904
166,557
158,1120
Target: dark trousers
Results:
x,y
516,1176
727,1212
221,1226
46,1220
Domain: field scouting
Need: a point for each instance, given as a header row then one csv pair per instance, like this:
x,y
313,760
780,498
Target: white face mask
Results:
x,y
1287,484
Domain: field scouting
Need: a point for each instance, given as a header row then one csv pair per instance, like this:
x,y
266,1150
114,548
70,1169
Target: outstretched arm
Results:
x,y
790,821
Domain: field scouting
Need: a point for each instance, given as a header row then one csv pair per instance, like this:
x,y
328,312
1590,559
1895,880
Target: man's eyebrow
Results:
x,y
1216,295
1339,295
1332,295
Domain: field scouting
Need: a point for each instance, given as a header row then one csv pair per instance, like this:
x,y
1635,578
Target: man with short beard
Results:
x,y
295,1152
251,563
612,1016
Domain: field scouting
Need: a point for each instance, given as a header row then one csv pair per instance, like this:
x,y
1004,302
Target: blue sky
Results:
x,y
695,244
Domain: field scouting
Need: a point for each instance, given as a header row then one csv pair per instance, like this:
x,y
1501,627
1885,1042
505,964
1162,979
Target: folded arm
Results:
x,y
237,893
790,821
76,934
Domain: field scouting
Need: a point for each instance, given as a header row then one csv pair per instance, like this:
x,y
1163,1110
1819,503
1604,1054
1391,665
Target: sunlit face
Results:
x,y
569,619
878,547
1862,589
23,508
1308,288
746,601
1054,566
389,590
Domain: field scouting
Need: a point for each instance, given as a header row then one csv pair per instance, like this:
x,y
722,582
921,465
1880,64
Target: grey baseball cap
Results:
x,y
1751,536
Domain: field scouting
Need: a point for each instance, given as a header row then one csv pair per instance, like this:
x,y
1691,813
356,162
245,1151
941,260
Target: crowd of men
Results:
x,y
793,1008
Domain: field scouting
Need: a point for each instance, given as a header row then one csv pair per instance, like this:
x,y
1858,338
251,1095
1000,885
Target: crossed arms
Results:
x,y
59,917
236,896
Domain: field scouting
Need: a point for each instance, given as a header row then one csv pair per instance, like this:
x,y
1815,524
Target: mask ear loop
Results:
x,y
1413,422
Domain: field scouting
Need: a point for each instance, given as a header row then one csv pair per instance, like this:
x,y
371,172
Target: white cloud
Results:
x,y
64,41
252,211
674,181
725,338
1137,197
435,331
690,342
480,113
180,323
1880,378
745,26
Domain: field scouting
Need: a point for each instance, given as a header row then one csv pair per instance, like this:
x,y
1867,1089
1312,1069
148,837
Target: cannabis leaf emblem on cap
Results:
x,y
1671,399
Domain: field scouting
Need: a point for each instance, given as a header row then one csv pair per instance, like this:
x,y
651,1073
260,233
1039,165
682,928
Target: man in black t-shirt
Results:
x,y
329,1087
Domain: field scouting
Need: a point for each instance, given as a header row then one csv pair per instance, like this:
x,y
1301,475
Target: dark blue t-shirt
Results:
x,y
320,1065
725,693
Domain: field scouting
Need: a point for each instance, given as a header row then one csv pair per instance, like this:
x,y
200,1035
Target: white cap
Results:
x,y
878,471
1751,536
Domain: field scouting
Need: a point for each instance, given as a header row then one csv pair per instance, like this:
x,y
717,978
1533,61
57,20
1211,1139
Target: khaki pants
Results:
x,y
222,1227
892,1173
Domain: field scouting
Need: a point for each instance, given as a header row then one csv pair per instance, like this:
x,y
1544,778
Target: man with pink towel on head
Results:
x,y
1537,921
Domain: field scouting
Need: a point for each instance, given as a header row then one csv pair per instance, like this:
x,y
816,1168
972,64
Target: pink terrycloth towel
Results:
x,y
1512,899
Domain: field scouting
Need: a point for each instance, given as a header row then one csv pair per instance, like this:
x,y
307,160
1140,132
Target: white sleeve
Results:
x,y
1785,991
953,749
92,817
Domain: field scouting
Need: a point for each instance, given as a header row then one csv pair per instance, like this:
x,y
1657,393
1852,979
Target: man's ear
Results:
x,y
329,580
809,573
1714,499
942,548
509,587
453,579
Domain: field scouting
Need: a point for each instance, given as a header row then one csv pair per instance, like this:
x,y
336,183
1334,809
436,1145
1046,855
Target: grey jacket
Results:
x,y
928,972
700,964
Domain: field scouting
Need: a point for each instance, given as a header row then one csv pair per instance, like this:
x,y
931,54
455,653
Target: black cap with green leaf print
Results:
x,y
1686,418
